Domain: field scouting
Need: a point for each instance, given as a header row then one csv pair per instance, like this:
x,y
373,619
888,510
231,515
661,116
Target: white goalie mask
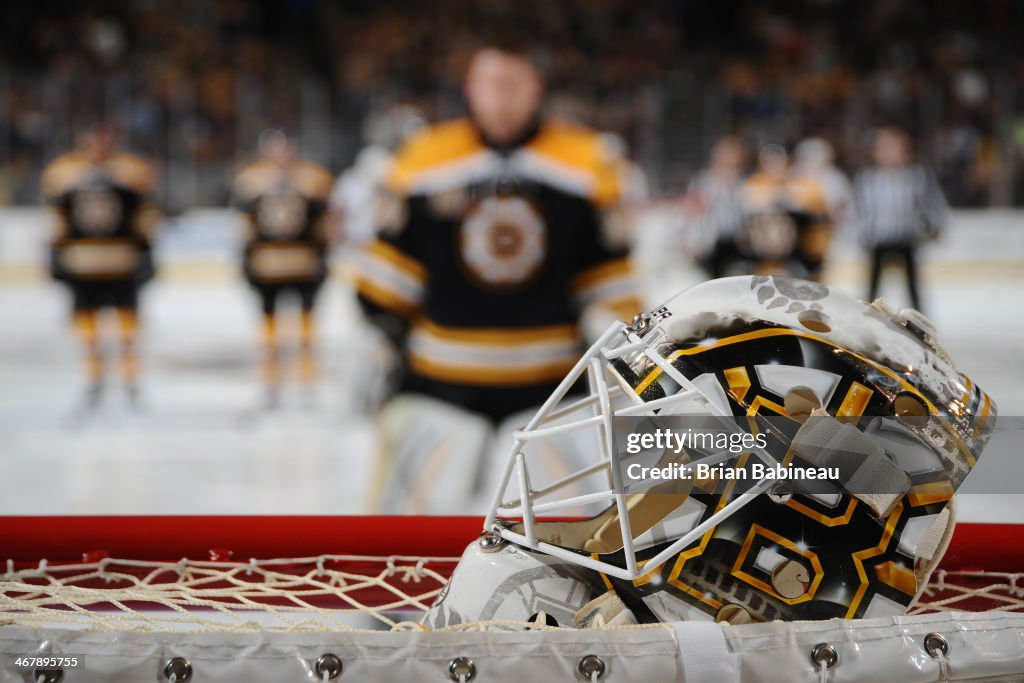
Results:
x,y
781,375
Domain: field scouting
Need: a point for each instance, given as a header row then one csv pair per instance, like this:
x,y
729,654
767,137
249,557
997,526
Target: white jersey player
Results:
x,y
815,159
355,195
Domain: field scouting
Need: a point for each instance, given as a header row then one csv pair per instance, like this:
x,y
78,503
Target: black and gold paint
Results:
x,y
847,554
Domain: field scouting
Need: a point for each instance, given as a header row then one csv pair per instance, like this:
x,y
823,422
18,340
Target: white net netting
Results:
x,y
327,592
217,615
973,591
323,593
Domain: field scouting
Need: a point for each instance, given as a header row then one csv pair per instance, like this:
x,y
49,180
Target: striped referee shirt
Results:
x,y
898,205
725,206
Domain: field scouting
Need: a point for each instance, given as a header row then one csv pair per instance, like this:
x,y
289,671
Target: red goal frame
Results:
x,y
979,555
238,537
28,539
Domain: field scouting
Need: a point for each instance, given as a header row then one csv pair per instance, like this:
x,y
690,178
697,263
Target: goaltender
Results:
x,y
491,264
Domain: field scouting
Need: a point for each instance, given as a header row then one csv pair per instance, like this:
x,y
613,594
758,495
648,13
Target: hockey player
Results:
x,y
786,225
354,196
105,223
814,159
353,201
634,190
492,263
285,201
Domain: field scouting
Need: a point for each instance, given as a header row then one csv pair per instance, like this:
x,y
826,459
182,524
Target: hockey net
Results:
x,y
228,573
272,574
168,576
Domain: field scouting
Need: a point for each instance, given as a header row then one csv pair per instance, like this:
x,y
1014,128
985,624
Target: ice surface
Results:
x,y
201,444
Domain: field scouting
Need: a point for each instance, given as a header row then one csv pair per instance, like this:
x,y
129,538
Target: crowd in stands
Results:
x,y
192,82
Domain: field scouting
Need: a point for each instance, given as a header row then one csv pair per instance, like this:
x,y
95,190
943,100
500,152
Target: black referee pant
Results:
x,y
903,252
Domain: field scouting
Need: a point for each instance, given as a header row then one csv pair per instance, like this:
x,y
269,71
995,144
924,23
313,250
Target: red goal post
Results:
x,y
26,540
395,553
170,537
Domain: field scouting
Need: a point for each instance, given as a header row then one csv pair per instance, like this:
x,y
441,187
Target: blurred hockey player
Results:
x,y
492,264
106,221
815,159
635,191
285,202
353,201
713,202
786,226
899,207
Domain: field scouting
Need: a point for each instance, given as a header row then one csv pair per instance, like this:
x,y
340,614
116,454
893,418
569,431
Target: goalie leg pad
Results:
x,y
428,457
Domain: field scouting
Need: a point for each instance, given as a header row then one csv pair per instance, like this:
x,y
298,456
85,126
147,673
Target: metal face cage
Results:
x,y
620,341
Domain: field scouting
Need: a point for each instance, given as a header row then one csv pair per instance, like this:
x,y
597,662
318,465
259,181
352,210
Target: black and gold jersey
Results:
x,y
488,258
105,217
285,207
785,219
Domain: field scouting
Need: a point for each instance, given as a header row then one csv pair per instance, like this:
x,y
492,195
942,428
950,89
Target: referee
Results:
x,y
899,206
713,198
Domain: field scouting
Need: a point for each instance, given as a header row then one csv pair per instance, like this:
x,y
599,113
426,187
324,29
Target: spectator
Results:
x,y
191,88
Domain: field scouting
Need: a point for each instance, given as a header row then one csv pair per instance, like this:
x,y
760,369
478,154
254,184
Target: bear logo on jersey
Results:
x,y
97,211
771,236
282,215
503,241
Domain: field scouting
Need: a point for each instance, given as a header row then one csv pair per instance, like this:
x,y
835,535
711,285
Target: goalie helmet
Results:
x,y
805,377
